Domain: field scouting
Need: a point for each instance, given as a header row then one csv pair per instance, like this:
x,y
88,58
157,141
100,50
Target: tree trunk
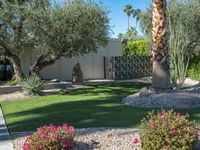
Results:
x,y
160,54
40,64
128,23
18,74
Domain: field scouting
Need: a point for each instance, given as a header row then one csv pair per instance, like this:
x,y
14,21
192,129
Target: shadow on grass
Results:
x,y
92,113
107,88
93,106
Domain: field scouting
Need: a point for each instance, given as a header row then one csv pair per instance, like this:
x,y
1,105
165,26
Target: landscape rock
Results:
x,y
144,92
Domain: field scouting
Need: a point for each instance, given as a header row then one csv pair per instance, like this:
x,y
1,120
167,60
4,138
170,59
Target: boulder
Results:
x,y
144,92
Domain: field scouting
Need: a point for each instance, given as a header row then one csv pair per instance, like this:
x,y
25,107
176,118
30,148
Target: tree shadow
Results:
x,y
94,111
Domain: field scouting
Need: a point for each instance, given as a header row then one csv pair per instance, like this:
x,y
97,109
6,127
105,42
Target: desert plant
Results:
x,y
32,85
163,130
51,137
178,45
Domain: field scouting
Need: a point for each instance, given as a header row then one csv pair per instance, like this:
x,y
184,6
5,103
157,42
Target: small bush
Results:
x,y
163,130
32,86
194,71
137,48
51,137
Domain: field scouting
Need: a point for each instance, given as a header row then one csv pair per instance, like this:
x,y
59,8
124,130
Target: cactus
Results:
x,y
179,56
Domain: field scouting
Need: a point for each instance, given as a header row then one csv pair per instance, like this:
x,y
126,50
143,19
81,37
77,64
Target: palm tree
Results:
x,y
160,56
128,10
137,14
145,21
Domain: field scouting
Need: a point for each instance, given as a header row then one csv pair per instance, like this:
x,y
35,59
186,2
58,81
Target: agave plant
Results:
x,y
32,86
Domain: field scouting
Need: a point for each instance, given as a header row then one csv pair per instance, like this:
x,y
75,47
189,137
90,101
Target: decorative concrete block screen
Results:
x,y
122,68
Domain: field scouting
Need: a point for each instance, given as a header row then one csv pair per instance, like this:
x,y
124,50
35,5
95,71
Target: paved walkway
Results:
x,y
5,140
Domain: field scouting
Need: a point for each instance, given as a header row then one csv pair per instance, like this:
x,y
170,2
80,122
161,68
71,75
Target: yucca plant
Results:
x,y
32,86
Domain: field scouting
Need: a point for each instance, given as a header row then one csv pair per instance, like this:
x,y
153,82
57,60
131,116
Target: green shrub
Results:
x,y
137,48
194,71
163,130
32,86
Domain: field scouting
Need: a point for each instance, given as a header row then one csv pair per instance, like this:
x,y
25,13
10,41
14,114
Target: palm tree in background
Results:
x,y
129,11
145,21
137,15
160,54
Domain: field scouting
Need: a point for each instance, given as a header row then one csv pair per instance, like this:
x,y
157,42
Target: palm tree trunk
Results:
x,y
128,23
160,74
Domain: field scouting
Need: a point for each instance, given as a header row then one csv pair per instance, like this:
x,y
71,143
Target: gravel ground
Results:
x,y
19,95
97,139
188,97
12,96
94,139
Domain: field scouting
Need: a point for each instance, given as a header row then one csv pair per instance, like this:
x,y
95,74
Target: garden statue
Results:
x,y
77,74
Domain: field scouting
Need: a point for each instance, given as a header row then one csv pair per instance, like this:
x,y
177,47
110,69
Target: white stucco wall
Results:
x,y
92,64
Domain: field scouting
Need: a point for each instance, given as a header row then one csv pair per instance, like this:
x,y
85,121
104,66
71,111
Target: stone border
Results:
x,y
5,139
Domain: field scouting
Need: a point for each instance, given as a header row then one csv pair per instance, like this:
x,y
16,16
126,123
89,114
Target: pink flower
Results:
x,y
179,116
173,131
162,114
154,125
41,146
70,130
26,145
66,144
136,141
65,125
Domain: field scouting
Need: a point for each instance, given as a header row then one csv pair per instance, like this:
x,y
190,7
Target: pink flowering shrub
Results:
x,y
51,137
165,130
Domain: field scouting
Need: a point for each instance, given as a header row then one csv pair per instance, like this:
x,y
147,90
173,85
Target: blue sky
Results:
x,y
118,19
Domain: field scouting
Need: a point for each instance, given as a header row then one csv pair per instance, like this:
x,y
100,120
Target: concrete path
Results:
x,y
5,140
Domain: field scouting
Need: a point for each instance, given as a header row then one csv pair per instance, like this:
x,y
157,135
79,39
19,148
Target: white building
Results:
x,y
92,64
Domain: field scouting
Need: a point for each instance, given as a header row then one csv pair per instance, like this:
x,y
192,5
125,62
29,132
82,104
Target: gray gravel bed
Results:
x,y
180,99
93,139
97,139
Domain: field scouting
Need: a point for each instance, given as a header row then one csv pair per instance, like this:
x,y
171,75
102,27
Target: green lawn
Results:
x,y
91,106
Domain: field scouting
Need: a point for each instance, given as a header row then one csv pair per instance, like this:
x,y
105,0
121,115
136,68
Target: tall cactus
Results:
x,y
178,54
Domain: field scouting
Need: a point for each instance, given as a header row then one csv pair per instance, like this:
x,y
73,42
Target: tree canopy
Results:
x,y
76,28
52,31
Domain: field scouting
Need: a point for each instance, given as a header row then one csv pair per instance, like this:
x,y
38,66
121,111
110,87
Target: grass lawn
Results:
x,y
91,106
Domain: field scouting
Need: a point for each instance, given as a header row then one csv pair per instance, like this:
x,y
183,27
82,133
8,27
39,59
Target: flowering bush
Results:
x,y
163,130
51,137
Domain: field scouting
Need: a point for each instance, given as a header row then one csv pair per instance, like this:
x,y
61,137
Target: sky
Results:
x,y
118,19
